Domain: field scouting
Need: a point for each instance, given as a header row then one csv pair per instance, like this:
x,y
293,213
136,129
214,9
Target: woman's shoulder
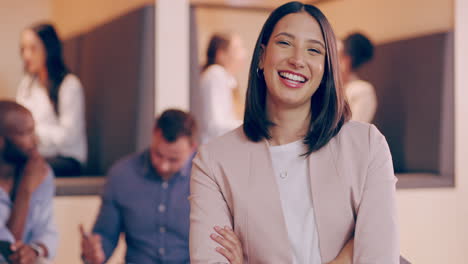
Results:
x,y
71,79
228,145
71,83
235,136
355,135
214,71
356,127
356,146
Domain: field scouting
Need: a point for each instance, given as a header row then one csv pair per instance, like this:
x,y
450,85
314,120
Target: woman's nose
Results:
x,y
297,59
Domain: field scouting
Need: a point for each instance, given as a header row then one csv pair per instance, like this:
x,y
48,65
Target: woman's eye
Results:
x,y
283,43
314,51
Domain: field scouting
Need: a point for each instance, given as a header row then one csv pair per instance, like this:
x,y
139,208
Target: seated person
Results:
x,y
146,198
26,189
55,98
356,50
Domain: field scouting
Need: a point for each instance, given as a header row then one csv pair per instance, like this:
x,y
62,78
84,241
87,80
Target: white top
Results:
x,y
292,176
65,134
216,115
362,100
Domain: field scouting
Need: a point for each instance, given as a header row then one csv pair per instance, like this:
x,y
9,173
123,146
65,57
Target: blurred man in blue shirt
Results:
x,y
146,198
26,190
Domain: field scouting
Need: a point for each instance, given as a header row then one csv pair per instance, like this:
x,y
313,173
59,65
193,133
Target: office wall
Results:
x,y
73,17
389,20
434,221
15,16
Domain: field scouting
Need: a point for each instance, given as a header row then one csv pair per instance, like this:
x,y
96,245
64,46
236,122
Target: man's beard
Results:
x,y
12,154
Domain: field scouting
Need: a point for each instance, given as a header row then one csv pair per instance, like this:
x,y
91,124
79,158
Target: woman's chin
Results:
x,y
291,103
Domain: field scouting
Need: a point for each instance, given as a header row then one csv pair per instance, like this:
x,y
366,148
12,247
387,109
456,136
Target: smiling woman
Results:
x,y
296,157
307,56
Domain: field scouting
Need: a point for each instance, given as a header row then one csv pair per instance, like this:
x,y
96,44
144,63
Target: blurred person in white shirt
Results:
x,y
225,57
356,50
55,98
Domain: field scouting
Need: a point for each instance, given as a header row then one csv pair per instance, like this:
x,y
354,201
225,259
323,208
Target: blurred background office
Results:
x,y
127,83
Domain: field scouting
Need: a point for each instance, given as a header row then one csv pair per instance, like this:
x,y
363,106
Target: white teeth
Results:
x,y
292,77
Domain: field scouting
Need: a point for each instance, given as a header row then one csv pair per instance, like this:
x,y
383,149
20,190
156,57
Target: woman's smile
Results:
x,y
292,79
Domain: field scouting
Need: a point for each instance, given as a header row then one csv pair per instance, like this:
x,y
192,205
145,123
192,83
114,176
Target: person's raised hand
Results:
x,y
91,247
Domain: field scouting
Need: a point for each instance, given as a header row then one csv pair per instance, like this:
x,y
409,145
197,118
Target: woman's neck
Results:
x,y
43,77
291,124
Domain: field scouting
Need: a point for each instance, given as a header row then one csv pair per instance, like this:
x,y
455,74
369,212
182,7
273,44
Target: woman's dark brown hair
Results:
x,y
359,48
56,69
329,109
218,41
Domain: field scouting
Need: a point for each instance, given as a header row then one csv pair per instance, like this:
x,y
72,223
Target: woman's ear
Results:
x,y
262,57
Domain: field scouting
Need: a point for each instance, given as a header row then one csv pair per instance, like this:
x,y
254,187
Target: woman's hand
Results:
x,y
346,254
231,245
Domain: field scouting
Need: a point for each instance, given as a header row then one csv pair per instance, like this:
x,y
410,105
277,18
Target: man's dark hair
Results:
x,y
175,124
359,48
9,151
7,107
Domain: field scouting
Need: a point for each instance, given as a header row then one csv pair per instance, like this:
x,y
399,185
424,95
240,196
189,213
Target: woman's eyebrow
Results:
x,y
289,35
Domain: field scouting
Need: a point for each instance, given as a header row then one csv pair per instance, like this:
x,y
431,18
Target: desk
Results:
x,y
79,186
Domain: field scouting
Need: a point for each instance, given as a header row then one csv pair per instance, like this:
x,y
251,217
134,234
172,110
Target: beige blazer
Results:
x,y
353,192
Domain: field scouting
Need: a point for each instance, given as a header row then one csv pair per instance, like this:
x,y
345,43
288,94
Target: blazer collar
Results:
x,y
330,198
264,188
323,179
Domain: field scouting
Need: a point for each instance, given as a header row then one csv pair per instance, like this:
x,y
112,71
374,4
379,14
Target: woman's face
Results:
x,y
32,52
293,60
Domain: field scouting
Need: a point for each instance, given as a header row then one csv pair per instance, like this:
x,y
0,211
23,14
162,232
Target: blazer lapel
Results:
x,y
269,227
330,201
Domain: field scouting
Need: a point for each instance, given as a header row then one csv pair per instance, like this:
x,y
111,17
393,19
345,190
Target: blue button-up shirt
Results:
x,y
40,227
153,214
